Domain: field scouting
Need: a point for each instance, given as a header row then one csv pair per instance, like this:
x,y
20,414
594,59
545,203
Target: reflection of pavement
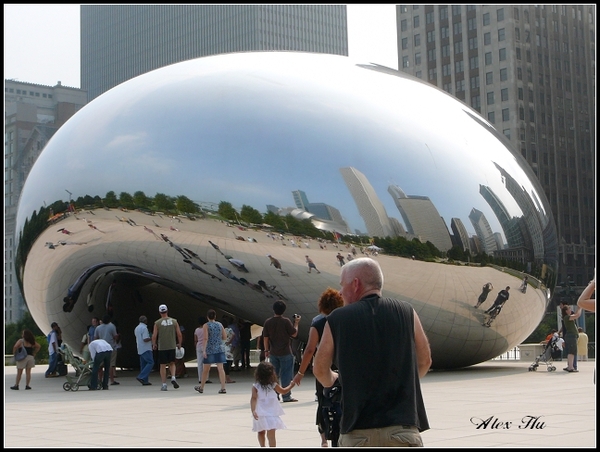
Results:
x,y
503,390
442,294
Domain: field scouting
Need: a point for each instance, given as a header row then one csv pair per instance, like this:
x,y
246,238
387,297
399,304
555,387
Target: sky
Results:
x,y
42,42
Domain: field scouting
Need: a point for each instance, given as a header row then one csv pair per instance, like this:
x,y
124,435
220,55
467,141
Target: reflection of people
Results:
x,y
264,404
340,259
381,397
275,263
329,300
311,265
585,300
108,331
523,287
495,309
485,290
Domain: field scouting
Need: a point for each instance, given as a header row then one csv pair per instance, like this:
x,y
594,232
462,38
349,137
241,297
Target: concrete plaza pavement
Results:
x,y
560,405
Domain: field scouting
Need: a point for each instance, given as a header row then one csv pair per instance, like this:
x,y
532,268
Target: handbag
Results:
x,y
21,353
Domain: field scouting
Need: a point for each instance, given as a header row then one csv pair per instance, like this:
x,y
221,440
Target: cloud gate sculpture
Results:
x,y
357,150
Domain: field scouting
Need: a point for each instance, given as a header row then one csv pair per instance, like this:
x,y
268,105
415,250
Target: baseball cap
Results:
x,y
163,308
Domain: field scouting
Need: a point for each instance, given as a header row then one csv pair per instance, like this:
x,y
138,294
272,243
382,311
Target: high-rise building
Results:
x,y
119,42
33,113
370,207
530,71
421,218
483,230
460,235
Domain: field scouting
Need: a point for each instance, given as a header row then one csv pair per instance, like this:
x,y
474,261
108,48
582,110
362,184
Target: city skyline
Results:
x,y
371,38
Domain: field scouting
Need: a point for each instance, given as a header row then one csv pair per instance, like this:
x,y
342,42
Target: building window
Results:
x,y
518,52
473,43
472,24
404,61
459,66
457,28
490,98
501,35
505,115
474,62
446,50
476,102
404,43
417,58
429,18
486,19
431,36
403,25
458,48
488,58
418,74
504,94
500,14
475,82
489,78
460,85
417,40
456,10
448,87
492,117
444,32
502,54
446,70
487,38
517,34
416,22
519,73
432,73
431,55
506,133
443,12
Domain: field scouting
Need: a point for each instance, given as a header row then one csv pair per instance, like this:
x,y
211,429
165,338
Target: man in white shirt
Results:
x,y
144,349
100,351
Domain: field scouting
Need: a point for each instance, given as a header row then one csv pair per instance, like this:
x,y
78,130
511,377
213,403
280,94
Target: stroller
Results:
x,y
547,356
83,371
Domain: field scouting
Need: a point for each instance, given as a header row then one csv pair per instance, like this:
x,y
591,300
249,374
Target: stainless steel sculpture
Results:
x,y
373,150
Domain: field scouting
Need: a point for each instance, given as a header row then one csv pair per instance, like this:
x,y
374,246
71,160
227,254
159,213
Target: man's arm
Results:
x,y
154,336
179,335
422,347
324,358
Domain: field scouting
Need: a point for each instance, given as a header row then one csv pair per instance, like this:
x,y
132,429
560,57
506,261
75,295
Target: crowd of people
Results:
x,y
351,410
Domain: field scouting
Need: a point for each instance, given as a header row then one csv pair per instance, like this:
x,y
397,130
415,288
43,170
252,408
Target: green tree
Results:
x,y
250,215
110,200
186,205
140,200
164,203
126,200
227,211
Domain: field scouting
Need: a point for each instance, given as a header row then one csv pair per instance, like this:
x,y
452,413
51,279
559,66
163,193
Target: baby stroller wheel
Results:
x,y
552,369
530,368
67,386
75,387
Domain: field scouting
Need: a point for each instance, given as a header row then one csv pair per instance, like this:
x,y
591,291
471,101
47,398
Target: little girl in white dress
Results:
x,y
264,404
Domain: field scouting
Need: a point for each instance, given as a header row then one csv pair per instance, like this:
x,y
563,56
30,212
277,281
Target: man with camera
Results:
x,y
277,332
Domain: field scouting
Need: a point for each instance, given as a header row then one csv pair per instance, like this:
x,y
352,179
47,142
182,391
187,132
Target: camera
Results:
x,y
296,316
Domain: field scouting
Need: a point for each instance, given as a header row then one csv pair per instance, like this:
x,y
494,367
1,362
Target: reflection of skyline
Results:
x,y
483,230
421,218
369,206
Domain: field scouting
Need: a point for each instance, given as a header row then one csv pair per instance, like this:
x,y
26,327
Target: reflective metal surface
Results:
x,y
375,150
